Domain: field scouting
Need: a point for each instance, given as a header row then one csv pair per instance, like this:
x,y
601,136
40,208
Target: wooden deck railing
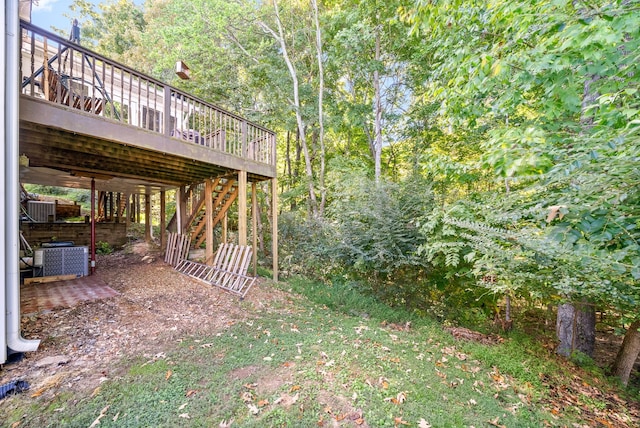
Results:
x,y
59,71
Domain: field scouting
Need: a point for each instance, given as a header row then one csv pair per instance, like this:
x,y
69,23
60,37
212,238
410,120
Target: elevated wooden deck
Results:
x,y
83,116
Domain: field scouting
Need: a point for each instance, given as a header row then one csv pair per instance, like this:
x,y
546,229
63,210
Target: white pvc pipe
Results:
x,y
3,63
10,203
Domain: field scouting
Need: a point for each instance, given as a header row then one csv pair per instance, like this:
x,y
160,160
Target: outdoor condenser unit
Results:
x,y
40,211
62,261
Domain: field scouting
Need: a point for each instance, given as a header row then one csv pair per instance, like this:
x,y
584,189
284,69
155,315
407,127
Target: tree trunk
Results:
x,y
319,55
280,38
628,353
576,328
377,113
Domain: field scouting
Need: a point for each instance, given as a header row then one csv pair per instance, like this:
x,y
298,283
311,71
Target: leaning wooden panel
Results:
x,y
228,272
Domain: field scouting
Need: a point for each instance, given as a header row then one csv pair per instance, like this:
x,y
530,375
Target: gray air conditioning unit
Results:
x,y
62,261
41,212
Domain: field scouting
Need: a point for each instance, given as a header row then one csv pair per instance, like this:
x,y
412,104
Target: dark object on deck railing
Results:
x,y
188,135
59,93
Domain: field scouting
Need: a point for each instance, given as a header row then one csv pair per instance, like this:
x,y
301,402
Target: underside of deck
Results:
x,y
62,146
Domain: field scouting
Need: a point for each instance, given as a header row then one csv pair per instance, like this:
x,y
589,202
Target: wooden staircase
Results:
x,y
225,192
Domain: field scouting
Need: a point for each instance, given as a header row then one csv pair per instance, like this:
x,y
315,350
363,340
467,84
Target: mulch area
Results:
x,y
136,306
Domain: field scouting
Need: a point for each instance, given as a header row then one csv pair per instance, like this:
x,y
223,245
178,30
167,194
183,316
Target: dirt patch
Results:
x,y
243,372
157,307
273,381
339,410
462,333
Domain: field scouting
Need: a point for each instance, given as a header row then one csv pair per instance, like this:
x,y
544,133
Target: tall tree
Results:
x,y
517,72
279,36
319,57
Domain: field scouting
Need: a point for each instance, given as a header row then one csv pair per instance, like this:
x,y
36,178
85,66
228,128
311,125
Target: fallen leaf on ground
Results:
x,y
225,424
287,400
496,423
422,423
168,375
399,421
184,416
50,383
103,412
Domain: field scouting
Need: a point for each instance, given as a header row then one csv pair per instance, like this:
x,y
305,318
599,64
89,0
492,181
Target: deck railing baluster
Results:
x,y
164,111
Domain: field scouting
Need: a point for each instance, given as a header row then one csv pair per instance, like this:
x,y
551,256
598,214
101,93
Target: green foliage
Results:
x,y
549,87
369,234
306,246
112,28
521,118
103,248
376,225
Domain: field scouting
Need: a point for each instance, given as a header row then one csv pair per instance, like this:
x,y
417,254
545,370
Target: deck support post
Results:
x,y
92,244
208,216
274,226
147,215
254,228
127,210
225,228
242,207
137,197
163,220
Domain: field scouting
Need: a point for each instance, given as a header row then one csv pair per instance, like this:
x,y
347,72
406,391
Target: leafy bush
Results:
x,y
104,248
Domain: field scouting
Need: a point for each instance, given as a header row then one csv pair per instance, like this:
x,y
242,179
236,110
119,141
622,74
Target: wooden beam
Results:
x,y
127,211
163,220
225,227
44,279
225,198
208,213
242,207
274,226
147,216
36,112
254,227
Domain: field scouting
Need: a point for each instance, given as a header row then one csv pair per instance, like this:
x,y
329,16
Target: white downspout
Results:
x,y
11,198
3,63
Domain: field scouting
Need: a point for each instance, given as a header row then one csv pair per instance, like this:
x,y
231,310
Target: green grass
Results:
x,y
312,362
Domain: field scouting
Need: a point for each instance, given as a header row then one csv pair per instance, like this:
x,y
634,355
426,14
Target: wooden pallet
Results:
x,y
177,248
228,271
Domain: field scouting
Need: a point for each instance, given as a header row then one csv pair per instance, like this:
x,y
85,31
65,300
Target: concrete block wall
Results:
x,y
80,233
